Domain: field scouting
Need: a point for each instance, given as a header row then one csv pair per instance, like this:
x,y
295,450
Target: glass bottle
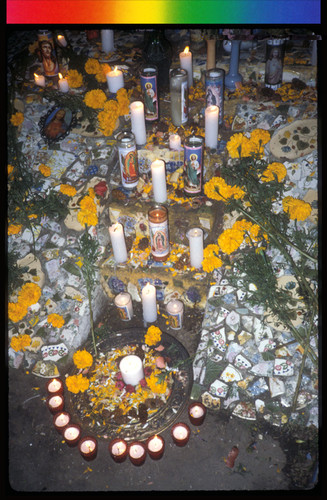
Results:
x,y
157,50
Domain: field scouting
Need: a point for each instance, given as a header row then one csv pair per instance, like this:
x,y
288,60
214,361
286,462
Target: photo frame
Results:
x,y
57,123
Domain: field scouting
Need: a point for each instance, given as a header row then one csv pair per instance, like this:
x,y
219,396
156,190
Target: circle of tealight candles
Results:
x,y
55,403
137,453
72,434
55,386
155,447
88,447
197,412
180,433
118,449
60,420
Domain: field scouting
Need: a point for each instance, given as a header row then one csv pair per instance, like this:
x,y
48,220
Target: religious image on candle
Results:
x,y
128,159
159,236
193,163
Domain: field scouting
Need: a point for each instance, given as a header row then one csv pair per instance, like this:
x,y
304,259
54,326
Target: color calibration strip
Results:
x,y
163,11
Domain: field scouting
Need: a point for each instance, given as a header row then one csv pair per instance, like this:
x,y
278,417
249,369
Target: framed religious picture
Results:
x,y
57,123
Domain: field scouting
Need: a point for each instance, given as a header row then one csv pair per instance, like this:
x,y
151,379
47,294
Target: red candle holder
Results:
x,y
155,446
137,453
55,403
180,433
61,420
55,386
88,448
118,449
197,412
72,434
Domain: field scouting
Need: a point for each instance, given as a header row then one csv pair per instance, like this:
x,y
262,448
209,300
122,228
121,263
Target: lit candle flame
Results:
x,y
186,50
60,76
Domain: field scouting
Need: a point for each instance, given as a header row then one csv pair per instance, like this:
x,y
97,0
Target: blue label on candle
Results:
x,y
150,95
192,169
215,94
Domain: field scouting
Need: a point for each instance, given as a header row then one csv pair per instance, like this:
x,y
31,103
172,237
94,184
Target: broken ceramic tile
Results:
x,y
282,352
231,374
245,410
233,350
218,388
283,367
54,352
259,405
47,369
241,295
232,395
35,345
261,331
233,320
276,387
243,337
266,345
230,336
258,387
219,339
241,362
264,369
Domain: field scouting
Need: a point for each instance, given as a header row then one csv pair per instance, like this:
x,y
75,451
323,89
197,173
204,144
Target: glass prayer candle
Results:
x,y
128,160
60,420
72,434
55,386
124,305
159,235
155,447
88,447
149,86
214,89
193,165
180,433
137,453
179,96
275,50
55,403
175,309
118,449
197,412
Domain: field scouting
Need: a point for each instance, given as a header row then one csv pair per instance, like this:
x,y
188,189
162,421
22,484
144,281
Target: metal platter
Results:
x,y
165,415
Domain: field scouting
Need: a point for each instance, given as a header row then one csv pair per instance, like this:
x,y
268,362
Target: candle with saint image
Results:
x,y
62,40
195,237
88,447
123,302
149,303
39,80
115,80
175,309
180,433
138,122
137,453
107,40
118,243
159,185
211,126
131,369
118,449
63,83
186,63
175,142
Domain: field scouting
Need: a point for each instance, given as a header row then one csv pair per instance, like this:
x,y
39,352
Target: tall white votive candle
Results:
x,y
115,80
62,40
195,236
185,59
63,83
175,142
159,184
131,369
211,126
107,40
39,80
138,122
118,243
149,303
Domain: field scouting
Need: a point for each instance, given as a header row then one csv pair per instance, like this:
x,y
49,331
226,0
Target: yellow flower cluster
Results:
x,y
82,359
17,119
231,239
153,335
56,320
154,384
112,110
241,146
27,296
67,189
95,99
44,170
75,79
88,212
296,209
274,170
94,67
77,383
211,260
14,228
217,189
19,342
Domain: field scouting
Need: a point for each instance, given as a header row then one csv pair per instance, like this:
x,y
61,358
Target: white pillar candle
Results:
x,y
63,83
88,446
124,304
185,59
136,451
118,448
62,40
180,432
211,126
138,122
159,184
131,369
149,303
175,142
107,40
115,80
39,80
118,243
195,236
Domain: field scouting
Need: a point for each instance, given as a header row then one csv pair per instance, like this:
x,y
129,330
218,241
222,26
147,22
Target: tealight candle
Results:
x,y
211,126
138,122
149,303
88,447
115,80
175,314
123,302
60,420
180,433
131,369
195,237
118,449
62,40
155,447
55,403
175,142
72,434
118,243
186,63
107,40
39,80
55,386
159,185
197,412
63,83
137,453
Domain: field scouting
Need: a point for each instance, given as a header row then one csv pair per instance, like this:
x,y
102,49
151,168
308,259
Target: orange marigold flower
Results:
x,y
20,342
230,240
82,359
56,320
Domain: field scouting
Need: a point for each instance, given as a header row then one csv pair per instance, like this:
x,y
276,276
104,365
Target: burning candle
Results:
x,y
175,314
211,126
62,40
55,403
118,449
60,420
159,185
39,80
118,243
88,447
155,447
138,122
123,302
72,434
115,80
55,386
195,237
137,453
175,142
197,412
63,83
180,433
149,303
159,234
131,369
186,63
107,40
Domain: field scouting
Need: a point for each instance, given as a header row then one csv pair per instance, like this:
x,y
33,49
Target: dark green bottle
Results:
x,y
157,50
